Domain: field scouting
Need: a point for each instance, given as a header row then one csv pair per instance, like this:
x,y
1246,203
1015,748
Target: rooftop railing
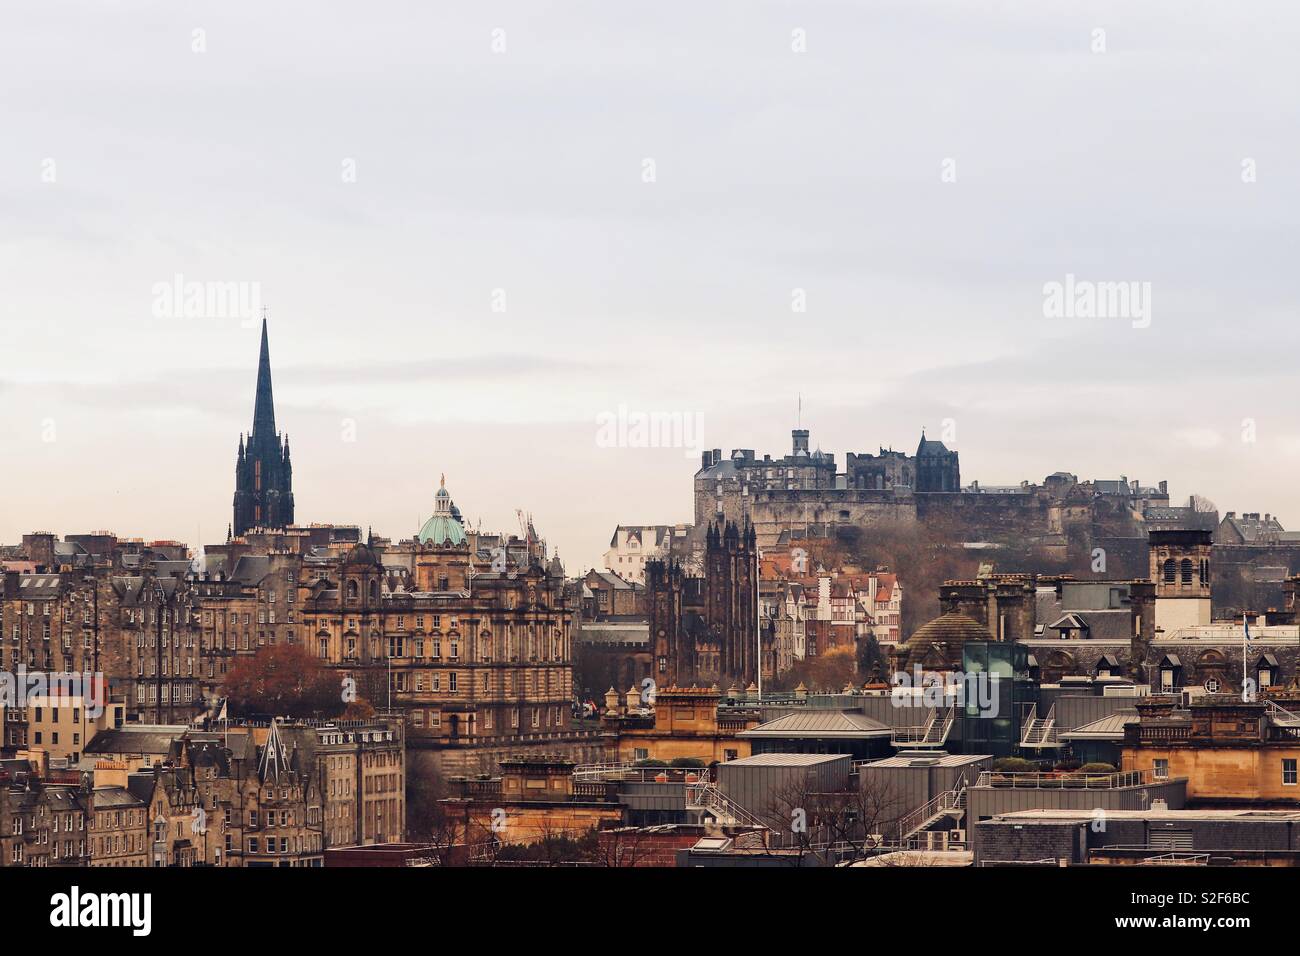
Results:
x,y
1068,780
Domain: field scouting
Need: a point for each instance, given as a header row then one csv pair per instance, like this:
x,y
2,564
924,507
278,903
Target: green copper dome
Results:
x,y
444,528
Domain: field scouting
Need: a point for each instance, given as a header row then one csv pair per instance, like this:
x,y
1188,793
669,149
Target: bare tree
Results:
x,y
832,828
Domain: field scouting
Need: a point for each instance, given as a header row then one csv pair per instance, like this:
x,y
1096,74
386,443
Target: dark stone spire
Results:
x,y
263,471
264,407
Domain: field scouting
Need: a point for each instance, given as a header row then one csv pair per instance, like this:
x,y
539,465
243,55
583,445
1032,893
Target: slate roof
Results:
x,y
36,586
155,739
109,797
1108,625
1251,528
251,569
929,446
659,532
613,580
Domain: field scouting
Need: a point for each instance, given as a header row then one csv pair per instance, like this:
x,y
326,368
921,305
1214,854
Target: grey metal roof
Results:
x,y
1110,727
930,759
848,725
785,760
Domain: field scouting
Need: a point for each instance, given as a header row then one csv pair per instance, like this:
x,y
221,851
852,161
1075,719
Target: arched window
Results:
x,y
352,590
374,590
1187,571
1171,571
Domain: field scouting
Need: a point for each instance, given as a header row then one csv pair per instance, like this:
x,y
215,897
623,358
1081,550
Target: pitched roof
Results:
x,y
845,724
1110,727
784,760
274,759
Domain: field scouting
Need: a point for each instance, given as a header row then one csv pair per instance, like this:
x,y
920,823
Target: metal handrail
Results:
x,y
705,796
948,800
1279,713
1087,781
599,769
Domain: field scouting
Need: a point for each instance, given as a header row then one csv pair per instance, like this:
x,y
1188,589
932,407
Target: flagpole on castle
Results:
x,y
1245,636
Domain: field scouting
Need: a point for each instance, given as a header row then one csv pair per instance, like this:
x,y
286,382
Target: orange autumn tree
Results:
x,y
825,673
282,680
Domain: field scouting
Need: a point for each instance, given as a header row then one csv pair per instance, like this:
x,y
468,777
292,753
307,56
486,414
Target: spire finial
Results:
x,y
442,480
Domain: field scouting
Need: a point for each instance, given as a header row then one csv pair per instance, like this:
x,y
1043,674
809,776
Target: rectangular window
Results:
x,y
1289,772
1161,769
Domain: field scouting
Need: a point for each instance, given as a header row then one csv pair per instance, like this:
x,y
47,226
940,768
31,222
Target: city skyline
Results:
x,y
616,426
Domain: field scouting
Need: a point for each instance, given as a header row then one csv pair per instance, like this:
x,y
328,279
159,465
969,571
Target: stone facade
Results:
x,y
704,630
1061,520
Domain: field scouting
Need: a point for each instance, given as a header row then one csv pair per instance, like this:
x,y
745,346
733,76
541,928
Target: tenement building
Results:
x,y
470,635
209,803
344,780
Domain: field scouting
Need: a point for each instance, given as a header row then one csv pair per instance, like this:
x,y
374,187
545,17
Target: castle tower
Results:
x,y
937,468
263,470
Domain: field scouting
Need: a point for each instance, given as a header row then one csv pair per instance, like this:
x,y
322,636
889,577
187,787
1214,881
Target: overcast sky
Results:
x,y
478,227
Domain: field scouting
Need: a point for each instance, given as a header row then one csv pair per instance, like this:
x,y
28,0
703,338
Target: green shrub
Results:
x,y
650,763
1097,768
1014,765
692,763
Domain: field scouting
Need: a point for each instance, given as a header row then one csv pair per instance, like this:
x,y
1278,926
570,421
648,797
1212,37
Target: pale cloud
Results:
x,y
520,172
